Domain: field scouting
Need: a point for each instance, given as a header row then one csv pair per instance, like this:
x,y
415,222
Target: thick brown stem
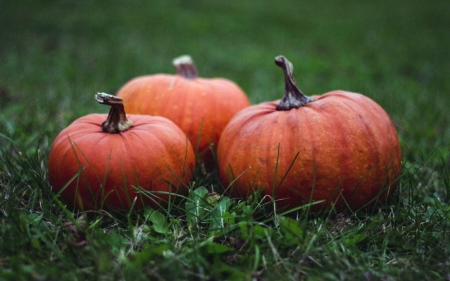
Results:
x,y
185,67
117,121
293,97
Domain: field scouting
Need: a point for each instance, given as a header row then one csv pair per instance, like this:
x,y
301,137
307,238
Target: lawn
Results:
x,y
55,55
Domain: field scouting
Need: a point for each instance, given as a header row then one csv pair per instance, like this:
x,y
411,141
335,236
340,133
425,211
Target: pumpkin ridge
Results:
x,y
306,153
194,112
277,154
79,158
125,142
332,118
369,166
352,132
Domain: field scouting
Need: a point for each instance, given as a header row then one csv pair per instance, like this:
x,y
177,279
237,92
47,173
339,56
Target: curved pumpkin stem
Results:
x,y
117,121
293,97
185,67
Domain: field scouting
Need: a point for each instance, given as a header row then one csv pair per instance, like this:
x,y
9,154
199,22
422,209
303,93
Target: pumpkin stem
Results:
x,y
293,97
185,67
117,121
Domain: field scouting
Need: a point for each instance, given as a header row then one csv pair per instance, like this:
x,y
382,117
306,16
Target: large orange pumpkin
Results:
x,y
201,107
340,147
114,162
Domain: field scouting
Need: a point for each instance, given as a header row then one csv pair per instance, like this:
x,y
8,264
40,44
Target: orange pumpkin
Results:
x,y
340,147
201,107
122,162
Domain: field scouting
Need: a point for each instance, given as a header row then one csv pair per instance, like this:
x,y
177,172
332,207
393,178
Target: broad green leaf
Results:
x,y
215,248
159,221
139,258
354,239
291,230
196,205
216,215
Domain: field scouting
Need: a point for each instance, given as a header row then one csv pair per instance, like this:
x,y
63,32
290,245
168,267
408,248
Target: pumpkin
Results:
x,y
201,107
339,149
118,162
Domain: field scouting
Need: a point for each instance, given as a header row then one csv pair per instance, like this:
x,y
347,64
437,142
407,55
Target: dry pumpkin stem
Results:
x,y
185,67
293,97
117,121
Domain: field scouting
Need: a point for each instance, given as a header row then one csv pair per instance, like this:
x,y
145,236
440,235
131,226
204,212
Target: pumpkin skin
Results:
x,y
154,154
340,147
201,107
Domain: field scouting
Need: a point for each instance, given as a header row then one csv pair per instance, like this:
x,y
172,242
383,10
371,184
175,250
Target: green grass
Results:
x,y
55,55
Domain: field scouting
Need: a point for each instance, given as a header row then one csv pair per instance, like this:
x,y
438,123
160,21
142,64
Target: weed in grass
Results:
x,y
393,52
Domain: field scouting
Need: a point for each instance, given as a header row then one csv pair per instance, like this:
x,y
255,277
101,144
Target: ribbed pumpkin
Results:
x,y
118,162
339,147
201,107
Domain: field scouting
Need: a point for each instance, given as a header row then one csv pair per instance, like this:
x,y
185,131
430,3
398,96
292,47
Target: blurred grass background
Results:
x,y
55,55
